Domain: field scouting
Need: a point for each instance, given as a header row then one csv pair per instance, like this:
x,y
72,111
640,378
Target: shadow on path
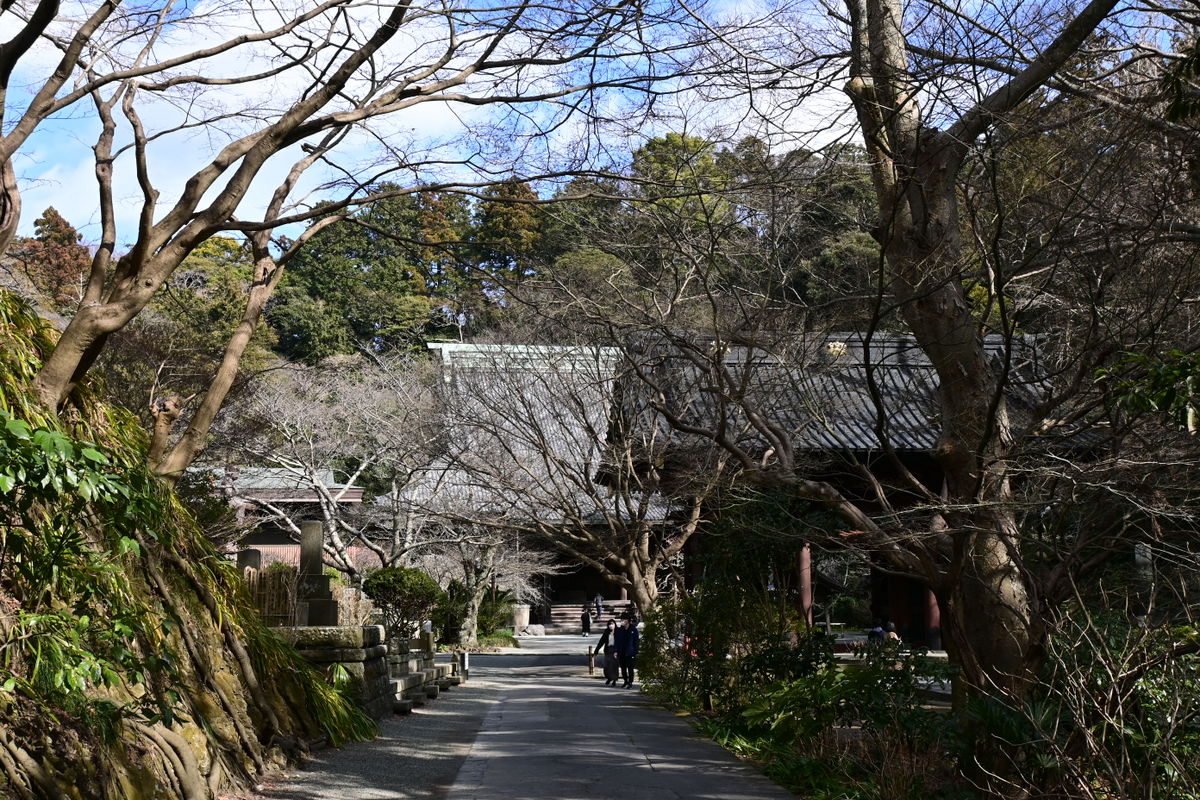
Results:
x,y
531,724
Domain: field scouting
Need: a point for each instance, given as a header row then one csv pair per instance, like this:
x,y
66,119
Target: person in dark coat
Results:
x,y
608,647
627,640
585,619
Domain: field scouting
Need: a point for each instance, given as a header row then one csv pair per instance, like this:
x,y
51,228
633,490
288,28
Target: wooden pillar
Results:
x,y
933,621
806,589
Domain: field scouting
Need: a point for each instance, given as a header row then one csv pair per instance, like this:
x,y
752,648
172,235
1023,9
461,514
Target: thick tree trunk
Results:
x,y
10,205
643,589
914,169
468,634
481,579
78,348
989,603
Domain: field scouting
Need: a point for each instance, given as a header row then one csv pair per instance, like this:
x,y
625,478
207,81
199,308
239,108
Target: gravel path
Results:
x,y
416,757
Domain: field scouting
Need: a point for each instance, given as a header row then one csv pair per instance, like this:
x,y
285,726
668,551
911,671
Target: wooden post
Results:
x,y
933,620
806,588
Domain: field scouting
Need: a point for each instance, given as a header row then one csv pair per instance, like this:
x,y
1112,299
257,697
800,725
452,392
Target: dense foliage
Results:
x,y
824,726
53,260
133,664
494,616
1114,712
405,596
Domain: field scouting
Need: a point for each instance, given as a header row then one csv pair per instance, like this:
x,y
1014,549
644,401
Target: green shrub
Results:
x,y
450,611
1142,722
495,613
893,745
337,578
501,638
404,596
121,618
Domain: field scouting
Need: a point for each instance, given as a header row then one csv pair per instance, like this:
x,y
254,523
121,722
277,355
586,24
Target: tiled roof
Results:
x,y
839,393
277,485
456,493
525,432
528,428
253,478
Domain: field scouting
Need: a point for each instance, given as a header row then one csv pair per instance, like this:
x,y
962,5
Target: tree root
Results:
x,y
233,643
25,774
17,780
249,740
214,777
179,756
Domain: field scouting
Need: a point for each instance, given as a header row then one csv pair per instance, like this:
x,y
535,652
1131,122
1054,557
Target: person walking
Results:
x,y
627,641
585,619
607,646
598,600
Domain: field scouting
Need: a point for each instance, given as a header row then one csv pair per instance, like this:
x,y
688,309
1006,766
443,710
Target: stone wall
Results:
x,y
383,678
360,651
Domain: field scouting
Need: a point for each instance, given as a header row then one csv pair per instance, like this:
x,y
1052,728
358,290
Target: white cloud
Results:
x,y
56,164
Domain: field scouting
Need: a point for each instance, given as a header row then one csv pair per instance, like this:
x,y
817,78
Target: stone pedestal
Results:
x,y
520,620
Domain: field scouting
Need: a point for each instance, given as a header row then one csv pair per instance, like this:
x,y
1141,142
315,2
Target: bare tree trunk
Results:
x,y
76,351
164,412
643,588
482,576
923,255
180,457
10,205
914,171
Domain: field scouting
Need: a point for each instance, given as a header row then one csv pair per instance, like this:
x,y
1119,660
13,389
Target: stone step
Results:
x,y
402,706
406,682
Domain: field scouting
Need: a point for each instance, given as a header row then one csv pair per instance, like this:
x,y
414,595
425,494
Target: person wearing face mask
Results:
x,y
607,646
627,640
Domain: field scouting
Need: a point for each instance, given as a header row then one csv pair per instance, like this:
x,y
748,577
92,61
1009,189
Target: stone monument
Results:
x,y
315,605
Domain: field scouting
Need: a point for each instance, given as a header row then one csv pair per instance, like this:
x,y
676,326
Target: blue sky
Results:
x,y
56,165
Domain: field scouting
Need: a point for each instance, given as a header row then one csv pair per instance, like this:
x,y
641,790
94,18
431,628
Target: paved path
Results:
x,y
531,724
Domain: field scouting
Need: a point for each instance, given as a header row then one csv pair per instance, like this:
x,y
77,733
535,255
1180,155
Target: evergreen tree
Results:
x,y
355,284
54,260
